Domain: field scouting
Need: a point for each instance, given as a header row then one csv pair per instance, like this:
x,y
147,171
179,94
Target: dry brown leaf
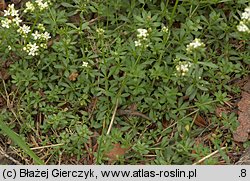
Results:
x,y
15,1
241,134
76,19
116,152
52,40
4,74
73,76
2,5
132,107
200,121
164,123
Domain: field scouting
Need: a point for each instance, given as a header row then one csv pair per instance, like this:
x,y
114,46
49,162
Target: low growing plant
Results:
x,y
88,75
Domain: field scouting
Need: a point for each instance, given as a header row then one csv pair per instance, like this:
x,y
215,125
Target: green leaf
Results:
x,y
67,5
202,87
92,9
16,138
208,64
183,57
71,25
85,26
189,90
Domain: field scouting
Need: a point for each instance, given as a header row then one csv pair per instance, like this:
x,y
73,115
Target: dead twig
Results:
x,y
47,146
208,156
113,117
133,113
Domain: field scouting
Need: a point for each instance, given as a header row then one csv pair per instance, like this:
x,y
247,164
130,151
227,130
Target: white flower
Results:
x,y
9,47
195,44
138,43
36,35
84,64
183,67
31,49
41,4
243,27
29,7
142,33
17,20
45,36
11,11
24,30
6,23
164,29
6,13
41,36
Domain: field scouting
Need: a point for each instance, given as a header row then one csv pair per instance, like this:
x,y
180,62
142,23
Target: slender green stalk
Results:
x,y
173,13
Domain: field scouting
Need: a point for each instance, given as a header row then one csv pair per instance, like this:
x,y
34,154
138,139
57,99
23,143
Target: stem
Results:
x,y
173,13
190,107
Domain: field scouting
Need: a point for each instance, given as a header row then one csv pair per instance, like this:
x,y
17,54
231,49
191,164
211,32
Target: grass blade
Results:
x,y
16,138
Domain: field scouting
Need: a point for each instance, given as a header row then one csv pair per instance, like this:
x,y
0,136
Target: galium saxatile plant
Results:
x,y
161,71
34,38
183,67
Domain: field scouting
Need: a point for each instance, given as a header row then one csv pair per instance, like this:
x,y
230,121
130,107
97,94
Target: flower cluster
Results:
x,y
35,39
32,6
41,36
194,45
40,27
164,29
245,21
246,14
100,31
24,30
142,34
31,49
11,17
11,11
141,37
183,67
